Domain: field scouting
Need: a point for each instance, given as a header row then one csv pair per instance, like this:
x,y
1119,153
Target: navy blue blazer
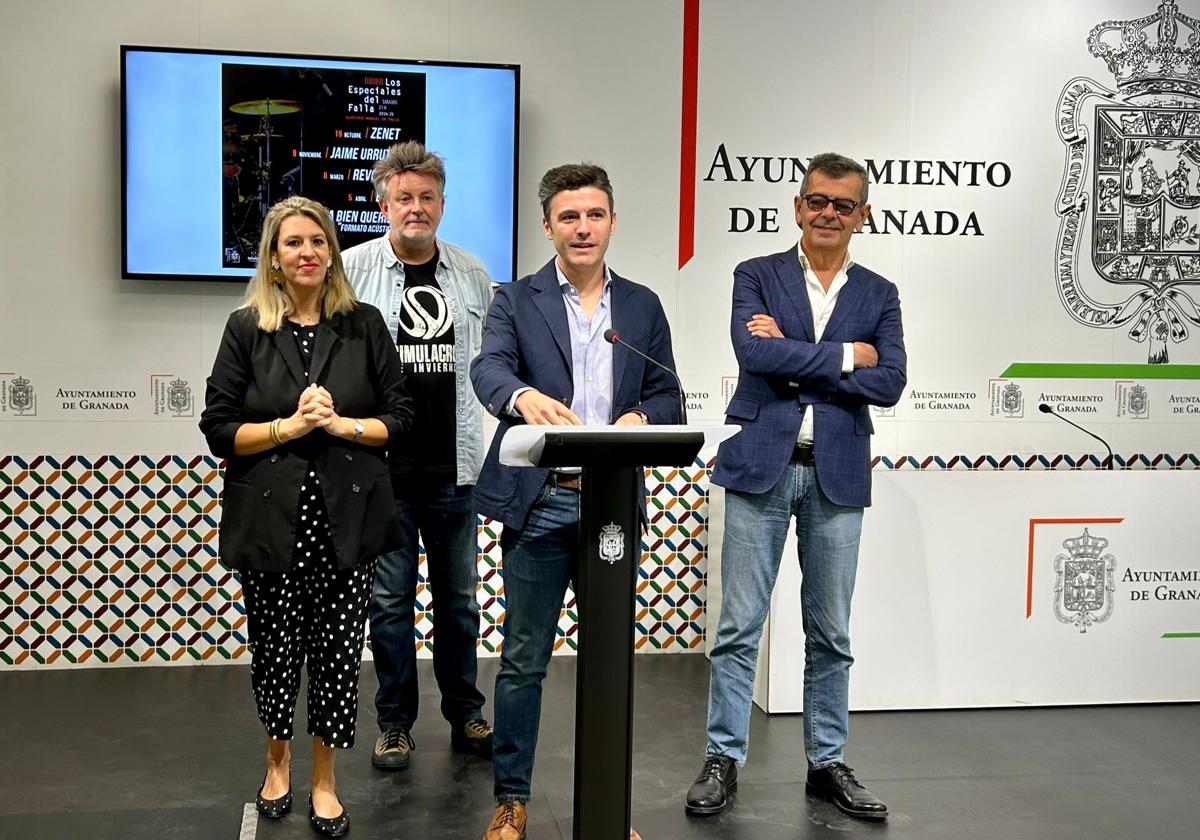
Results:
x,y
526,342
781,378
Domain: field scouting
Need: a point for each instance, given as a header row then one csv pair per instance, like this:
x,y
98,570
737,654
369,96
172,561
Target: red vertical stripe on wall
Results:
x,y
687,132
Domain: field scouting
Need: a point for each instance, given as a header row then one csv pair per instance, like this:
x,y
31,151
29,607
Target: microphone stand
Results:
x,y
613,337
1046,409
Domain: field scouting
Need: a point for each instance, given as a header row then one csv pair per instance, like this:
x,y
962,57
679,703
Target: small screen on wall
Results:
x,y
211,140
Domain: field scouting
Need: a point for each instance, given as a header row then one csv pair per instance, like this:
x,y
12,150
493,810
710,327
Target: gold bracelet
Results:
x,y
278,441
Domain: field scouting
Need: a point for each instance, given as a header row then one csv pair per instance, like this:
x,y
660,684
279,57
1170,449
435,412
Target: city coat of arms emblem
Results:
x,y
1132,179
179,397
1083,582
21,397
612,543
1010,399
1138,401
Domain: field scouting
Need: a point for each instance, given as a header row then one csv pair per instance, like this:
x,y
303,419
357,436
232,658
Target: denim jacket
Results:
x,y
377,277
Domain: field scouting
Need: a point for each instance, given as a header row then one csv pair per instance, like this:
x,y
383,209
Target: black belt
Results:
x,y
802,454
565,481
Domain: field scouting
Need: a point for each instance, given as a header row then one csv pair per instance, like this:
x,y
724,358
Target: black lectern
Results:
x,y
612,459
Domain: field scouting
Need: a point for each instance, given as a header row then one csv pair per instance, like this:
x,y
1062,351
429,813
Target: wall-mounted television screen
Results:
x,y
210,140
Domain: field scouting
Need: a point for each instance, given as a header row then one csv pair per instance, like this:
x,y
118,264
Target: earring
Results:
x,y
276,274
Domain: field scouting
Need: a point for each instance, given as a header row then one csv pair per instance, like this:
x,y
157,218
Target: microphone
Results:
x,y
614,337
1046,409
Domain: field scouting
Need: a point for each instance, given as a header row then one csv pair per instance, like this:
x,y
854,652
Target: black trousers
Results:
x,y
313,612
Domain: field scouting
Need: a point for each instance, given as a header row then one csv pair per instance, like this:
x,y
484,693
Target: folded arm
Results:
x,y
815,366
883,384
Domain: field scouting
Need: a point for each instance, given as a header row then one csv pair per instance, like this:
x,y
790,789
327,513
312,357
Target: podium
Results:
x,y
612,458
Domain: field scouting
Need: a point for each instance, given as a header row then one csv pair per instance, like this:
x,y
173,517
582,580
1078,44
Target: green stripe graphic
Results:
x,y
1055,370
1181,635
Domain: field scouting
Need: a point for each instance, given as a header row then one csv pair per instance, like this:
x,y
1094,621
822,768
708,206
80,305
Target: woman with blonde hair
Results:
x,y
305,394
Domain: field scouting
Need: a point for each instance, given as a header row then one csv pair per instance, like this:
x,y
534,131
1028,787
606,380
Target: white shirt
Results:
x,y
822,303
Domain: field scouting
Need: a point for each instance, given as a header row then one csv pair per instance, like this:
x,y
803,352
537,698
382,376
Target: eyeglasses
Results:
x,y
842,206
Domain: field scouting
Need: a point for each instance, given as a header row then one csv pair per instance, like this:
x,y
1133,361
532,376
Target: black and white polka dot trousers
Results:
x,y
314,612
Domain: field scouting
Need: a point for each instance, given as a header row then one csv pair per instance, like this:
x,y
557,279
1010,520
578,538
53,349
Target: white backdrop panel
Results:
x,y
939,615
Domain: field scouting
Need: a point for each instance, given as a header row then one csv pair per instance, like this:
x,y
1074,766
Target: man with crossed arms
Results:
x,y
818,339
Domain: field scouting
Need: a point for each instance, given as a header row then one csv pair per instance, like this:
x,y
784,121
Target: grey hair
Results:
x,y
835,166
407,157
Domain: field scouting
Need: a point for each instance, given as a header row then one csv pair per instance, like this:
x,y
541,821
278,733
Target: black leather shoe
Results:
x,y
709,794
273,809
328,826
836,784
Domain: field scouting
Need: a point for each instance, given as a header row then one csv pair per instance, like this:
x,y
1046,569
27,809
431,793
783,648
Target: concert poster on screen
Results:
x,y
317,133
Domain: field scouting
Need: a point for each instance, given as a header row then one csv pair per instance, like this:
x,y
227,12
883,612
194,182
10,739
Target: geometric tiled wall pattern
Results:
x,y
114,560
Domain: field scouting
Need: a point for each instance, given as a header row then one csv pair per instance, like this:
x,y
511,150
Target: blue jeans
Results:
x,y
539,561
444,518
827,536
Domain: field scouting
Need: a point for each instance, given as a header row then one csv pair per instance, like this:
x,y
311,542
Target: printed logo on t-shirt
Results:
x,y
424,314
425,339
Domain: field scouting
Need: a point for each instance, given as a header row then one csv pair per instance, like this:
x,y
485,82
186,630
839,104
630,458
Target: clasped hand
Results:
x,y
314,410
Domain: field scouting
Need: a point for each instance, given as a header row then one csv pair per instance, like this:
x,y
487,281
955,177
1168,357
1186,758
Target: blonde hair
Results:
x,y
268,297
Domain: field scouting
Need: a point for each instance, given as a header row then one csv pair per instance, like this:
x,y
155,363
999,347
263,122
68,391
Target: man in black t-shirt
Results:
x,y
433,296
425,342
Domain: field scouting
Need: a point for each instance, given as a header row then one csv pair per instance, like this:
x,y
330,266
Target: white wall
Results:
x,y
923,79
599,82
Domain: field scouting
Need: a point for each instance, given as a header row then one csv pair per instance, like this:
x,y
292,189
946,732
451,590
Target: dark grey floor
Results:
x,y
177,753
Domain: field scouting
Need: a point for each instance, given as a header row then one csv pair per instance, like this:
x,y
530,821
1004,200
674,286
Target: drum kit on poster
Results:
x,y
251,182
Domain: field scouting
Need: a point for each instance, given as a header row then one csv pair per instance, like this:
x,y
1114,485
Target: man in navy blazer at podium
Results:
x,y
818,339
545,361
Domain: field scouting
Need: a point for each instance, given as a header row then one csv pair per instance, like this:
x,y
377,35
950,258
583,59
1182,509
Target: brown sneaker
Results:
x,y
393,750
474,737
508,823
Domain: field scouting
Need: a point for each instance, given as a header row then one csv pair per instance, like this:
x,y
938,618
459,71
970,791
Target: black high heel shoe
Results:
x,y
273,809
328,826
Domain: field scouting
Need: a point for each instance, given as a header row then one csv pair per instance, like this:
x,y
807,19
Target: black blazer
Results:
x,y
258,376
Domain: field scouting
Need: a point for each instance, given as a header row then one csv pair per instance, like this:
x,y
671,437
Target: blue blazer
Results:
x,y
526,342
781,378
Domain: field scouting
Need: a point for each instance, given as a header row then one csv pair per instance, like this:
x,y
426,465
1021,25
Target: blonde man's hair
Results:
x,y
407,157
266,294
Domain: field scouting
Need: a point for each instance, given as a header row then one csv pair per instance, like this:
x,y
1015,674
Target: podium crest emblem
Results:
x,y
1083,582
612,543
1131,179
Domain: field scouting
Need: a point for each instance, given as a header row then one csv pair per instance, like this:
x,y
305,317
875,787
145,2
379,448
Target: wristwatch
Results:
x,y
358,430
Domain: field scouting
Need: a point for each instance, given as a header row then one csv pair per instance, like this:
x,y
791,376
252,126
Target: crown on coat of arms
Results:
x,y
1085,545
1151,53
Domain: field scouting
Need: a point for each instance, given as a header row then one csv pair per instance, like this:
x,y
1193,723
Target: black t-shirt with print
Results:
x,y
425,342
